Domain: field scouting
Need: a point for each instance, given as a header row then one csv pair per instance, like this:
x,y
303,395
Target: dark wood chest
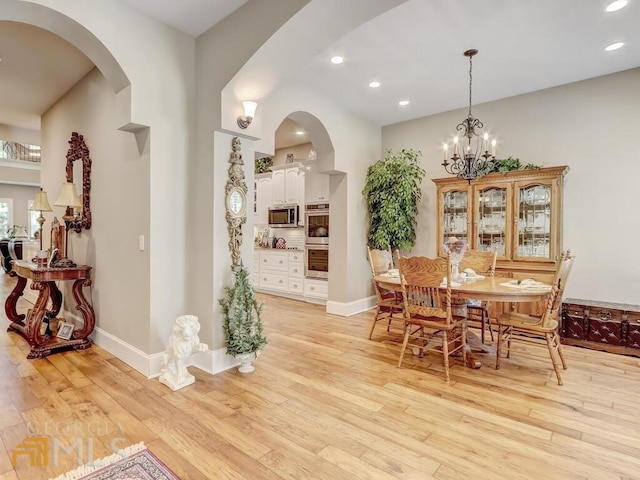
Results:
x,y
613,327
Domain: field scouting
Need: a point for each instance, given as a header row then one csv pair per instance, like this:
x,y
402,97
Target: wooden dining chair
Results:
x,y
482,263
529,328
428,311
388,302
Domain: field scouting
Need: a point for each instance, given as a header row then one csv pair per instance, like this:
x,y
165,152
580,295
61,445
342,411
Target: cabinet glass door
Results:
x,y
492,224
454,215
534,227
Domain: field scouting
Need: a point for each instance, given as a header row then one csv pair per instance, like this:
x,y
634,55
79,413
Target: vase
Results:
x,y
245,362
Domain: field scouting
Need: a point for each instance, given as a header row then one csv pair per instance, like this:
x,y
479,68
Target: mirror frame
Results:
x,y
78,150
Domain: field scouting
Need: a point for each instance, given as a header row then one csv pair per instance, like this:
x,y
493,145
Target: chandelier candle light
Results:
x,y
470,161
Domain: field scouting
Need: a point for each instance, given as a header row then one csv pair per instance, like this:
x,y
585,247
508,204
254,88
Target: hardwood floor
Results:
x,y
327,403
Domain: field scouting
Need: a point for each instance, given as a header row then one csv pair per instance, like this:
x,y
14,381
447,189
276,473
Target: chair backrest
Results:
x,y
420,278
481,261
381,261
557,287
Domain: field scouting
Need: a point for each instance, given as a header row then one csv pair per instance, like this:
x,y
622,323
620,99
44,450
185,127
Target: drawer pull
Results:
x,y
295,285
281,262
279,281
312,288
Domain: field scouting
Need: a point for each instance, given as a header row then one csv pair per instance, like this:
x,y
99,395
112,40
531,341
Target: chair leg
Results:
x,y
558,344
407,332
375,320
445,352
498,346
490,326
550,346
465,352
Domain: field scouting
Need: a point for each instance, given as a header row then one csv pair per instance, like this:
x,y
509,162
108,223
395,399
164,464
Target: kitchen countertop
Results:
x,y
280,249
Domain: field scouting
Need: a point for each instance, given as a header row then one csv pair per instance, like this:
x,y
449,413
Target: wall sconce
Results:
x,y
68,198
41,203
249,111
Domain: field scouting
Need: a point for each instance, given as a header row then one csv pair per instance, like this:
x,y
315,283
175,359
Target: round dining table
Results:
x,y
489,289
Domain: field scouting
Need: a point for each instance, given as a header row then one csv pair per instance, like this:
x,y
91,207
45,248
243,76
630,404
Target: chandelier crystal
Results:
x,y
472,154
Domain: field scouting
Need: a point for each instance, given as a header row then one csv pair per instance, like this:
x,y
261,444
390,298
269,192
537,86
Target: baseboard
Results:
x,y
211,361
351,308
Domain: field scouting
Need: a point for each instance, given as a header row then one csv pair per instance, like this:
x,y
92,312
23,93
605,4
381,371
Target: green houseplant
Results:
x,y
509,164
392,191
243,328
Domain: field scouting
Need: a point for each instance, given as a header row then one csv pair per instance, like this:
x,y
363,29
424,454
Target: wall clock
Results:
x,y
236,203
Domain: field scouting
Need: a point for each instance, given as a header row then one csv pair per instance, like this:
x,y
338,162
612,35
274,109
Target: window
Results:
x,y
34,226
6,216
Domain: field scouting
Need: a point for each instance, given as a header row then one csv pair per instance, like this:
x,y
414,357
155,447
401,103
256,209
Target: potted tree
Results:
x,y
392,191
243,328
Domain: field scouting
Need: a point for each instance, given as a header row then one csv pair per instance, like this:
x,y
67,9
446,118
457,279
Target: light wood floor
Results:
x,y
327,403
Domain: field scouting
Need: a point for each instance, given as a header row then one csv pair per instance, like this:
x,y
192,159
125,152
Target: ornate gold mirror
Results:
x,y
78,150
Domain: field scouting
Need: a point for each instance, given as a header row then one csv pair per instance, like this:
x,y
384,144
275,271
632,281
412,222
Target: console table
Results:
x,y
30,326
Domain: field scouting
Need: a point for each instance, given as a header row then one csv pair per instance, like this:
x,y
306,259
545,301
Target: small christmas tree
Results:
x,y
242,322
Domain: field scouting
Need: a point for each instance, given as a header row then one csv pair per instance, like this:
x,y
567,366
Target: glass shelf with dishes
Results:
x,y
534,221
518,214
454,215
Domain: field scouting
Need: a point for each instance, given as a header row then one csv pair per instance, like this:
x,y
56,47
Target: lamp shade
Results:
x,y
68,196
249,108
41,202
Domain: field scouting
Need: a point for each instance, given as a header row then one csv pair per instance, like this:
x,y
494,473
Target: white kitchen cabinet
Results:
x,y
285,185
274,270
316,186
263,198
316,288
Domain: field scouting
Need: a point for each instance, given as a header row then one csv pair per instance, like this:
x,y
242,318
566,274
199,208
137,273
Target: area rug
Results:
x,y
133,463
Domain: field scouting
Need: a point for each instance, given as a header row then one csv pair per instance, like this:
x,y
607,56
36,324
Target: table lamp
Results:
x,y
68,198
41,203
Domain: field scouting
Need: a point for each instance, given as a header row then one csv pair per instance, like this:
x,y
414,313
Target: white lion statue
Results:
x,y
184,342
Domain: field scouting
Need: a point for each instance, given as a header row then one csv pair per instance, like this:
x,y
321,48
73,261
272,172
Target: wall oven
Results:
x,y
317,224
284,216
316,264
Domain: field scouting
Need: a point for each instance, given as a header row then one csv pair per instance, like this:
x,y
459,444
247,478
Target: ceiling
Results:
x,y
414,50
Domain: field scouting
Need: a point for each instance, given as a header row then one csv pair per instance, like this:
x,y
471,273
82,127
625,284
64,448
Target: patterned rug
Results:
x,y
134,463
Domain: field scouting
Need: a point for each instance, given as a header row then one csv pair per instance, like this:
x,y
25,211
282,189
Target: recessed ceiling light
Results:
x,y
615,6
403,103
299,132
337,59
374,84
613,46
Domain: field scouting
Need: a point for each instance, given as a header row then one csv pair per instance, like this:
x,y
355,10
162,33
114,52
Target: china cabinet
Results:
x,y
518,214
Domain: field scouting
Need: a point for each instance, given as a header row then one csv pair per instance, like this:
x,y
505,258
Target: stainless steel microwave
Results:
x,y
284,216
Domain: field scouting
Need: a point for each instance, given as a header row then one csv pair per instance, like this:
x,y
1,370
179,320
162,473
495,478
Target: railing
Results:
x,y
19,151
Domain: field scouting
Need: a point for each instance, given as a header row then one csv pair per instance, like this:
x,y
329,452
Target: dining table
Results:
x,y
489,289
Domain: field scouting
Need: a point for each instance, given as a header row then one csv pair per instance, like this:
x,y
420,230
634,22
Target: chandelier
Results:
x,y
471,157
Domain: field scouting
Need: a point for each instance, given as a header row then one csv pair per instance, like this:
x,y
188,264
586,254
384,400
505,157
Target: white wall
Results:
x,y
590,126
300,152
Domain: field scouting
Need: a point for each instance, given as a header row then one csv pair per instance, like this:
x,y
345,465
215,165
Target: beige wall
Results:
x,y
590,126
119,206
300,153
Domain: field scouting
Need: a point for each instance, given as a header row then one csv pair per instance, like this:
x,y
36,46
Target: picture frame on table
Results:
x,y
54,257
65,330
